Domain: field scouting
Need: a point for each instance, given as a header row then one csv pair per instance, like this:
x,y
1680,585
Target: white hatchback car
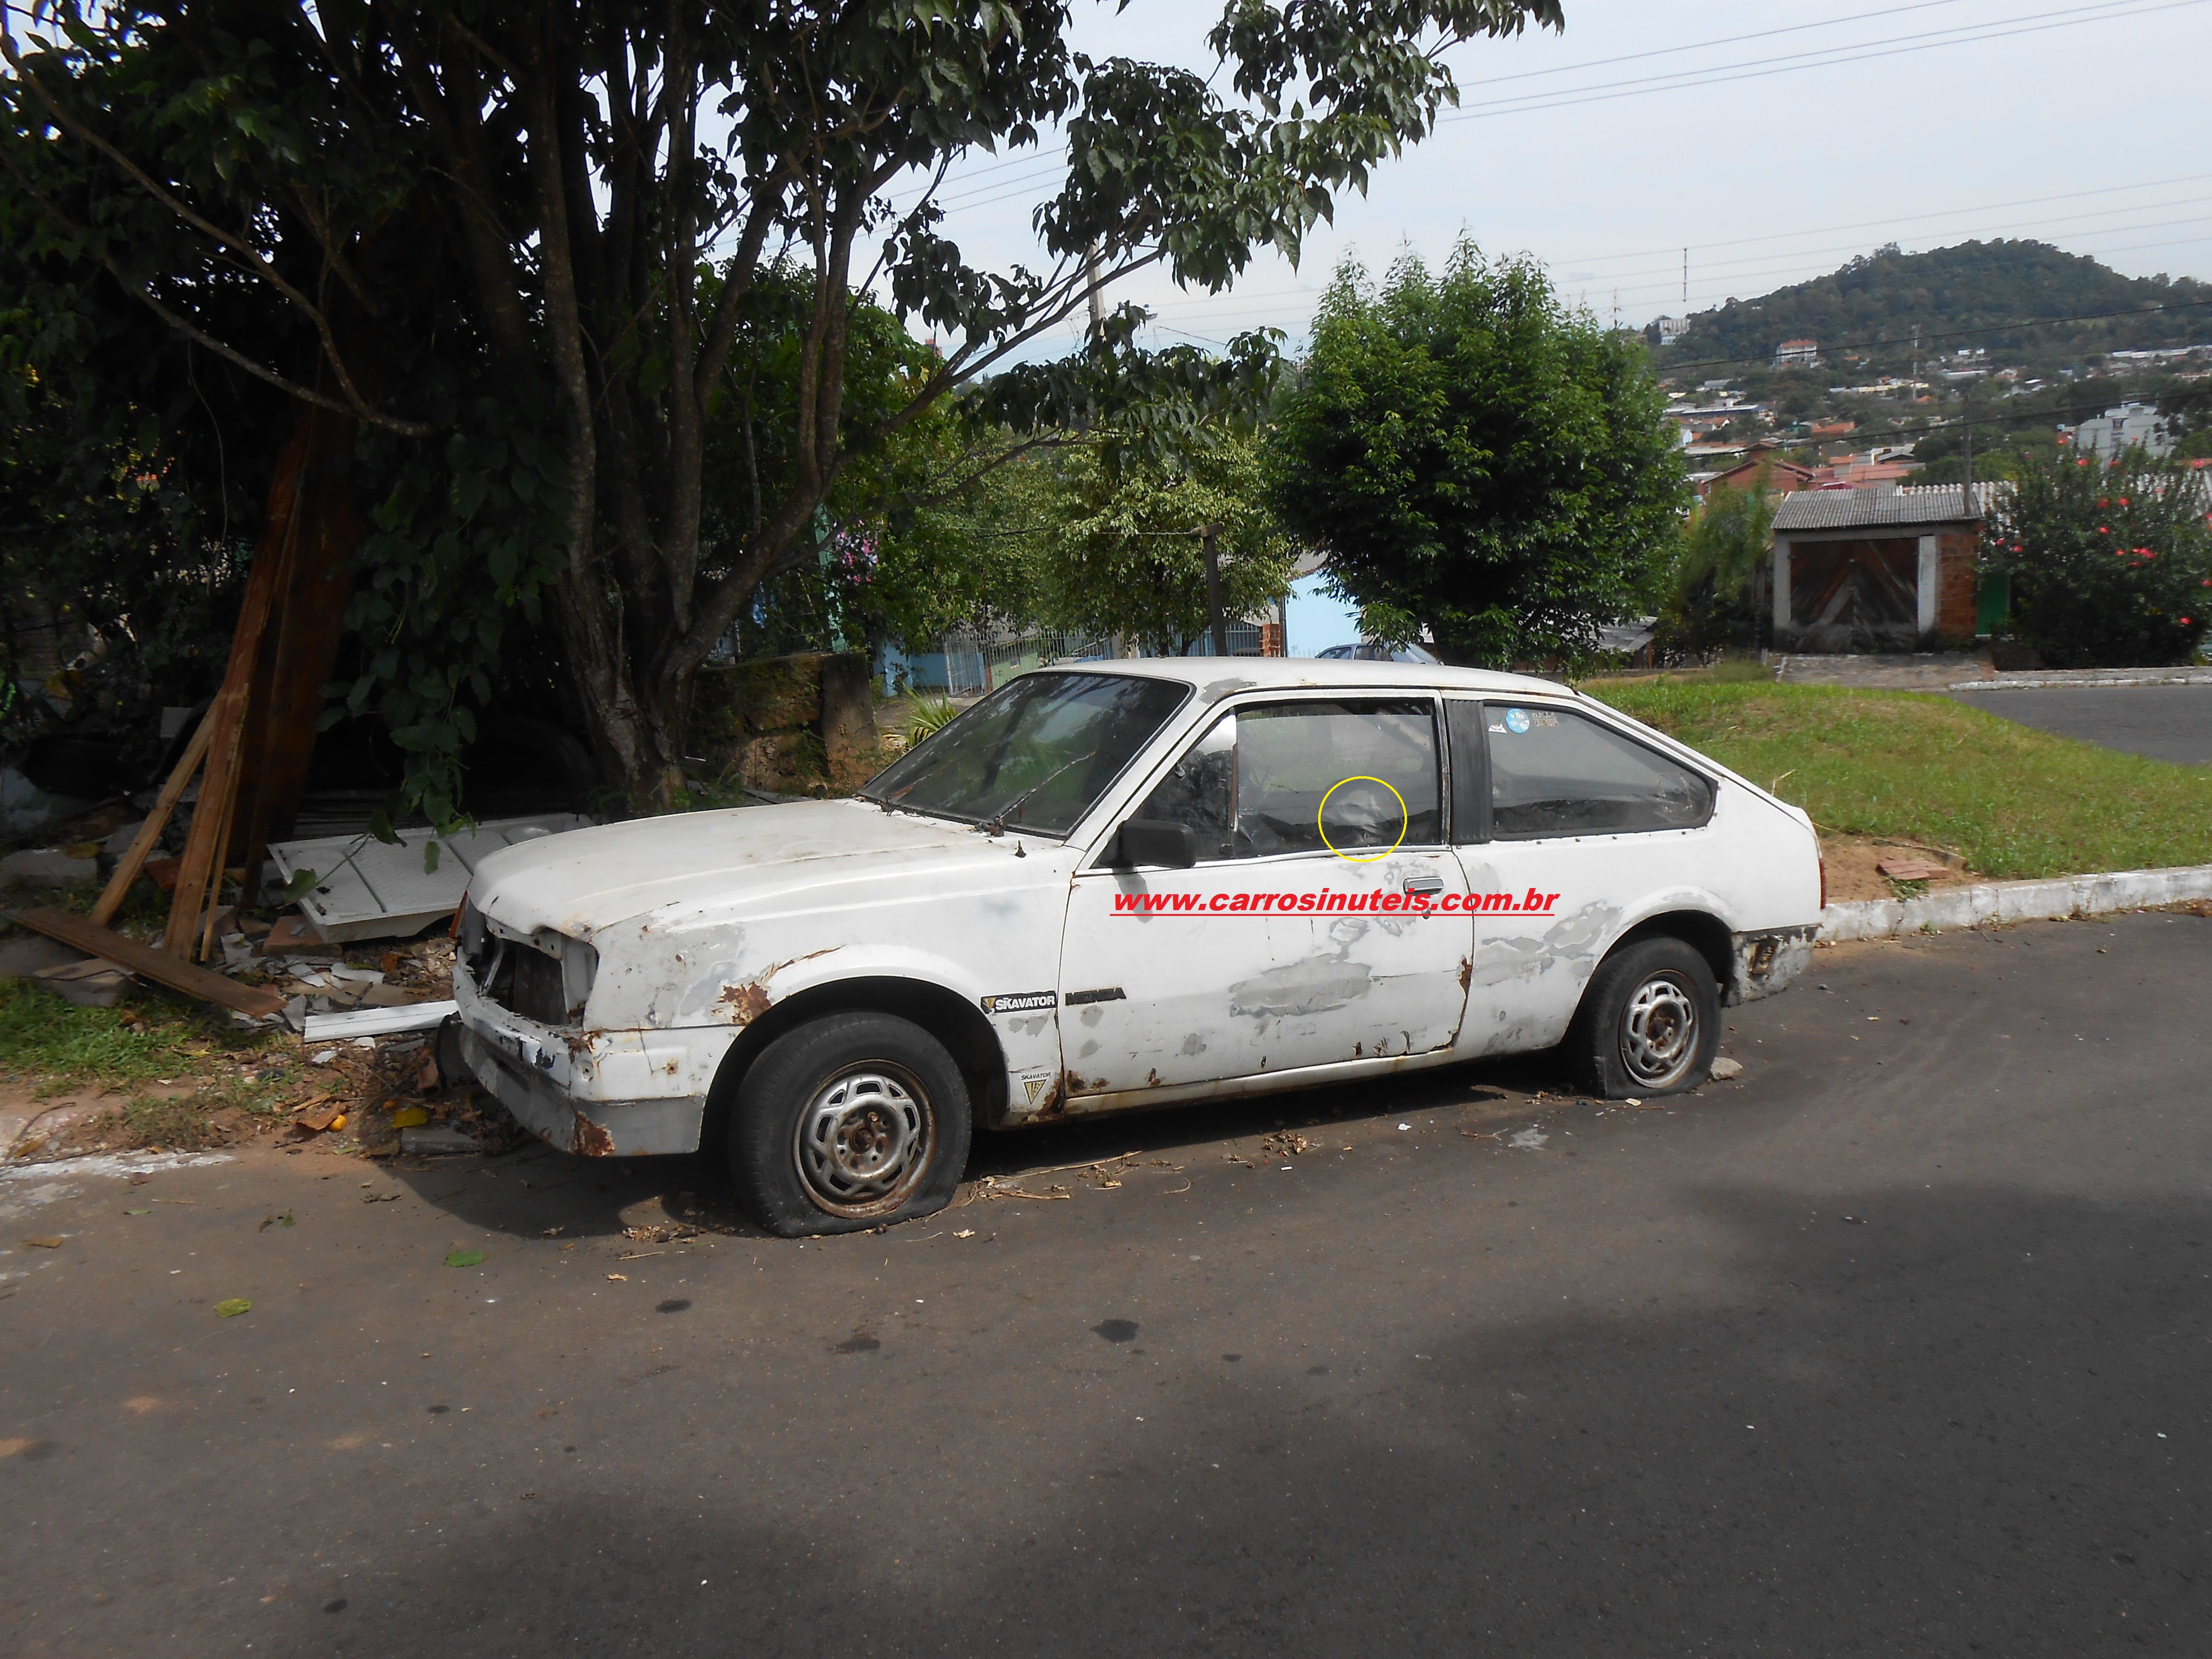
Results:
x,y
1125,884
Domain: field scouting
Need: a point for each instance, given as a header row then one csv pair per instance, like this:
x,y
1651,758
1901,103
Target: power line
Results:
x,y
1724,75
2110,11
1704,46
1764,268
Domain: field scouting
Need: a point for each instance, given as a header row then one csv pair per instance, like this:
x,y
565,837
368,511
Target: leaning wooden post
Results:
x,y
149,833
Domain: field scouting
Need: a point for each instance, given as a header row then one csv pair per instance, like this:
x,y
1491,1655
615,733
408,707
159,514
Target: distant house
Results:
x,y
1763,467
2130,425
1672,329
1797,354
1876,469
1832,429
1877,569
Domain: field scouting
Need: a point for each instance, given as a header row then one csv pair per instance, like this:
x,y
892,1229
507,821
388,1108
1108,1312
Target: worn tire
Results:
x,y
849,1121
1650,1023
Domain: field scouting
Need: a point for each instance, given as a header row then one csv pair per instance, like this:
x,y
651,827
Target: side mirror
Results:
x,y
1155,841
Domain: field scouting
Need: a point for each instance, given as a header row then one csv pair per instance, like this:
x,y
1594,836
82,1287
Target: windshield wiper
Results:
x,y
996,823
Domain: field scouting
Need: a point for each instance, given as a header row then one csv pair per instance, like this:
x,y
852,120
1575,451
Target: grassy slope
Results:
x,y
2016,802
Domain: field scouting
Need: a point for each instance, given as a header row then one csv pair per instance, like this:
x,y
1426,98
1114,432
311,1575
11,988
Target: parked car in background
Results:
x,y
1122,885
1368,651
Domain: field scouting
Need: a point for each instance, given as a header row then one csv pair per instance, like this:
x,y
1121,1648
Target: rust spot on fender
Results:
x,y
1153,1079
590,1140
747,1000
1465,971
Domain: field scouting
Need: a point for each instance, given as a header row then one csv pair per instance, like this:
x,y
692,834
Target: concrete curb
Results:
x,y
2070,676
2016,900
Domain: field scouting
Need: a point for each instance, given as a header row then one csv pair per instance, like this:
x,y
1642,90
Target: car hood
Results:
x,y
696,864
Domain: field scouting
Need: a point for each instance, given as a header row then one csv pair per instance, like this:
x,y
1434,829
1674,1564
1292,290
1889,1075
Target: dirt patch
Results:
x,y
1853,875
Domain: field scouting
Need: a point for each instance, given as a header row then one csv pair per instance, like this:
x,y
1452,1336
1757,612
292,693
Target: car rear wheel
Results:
x,y
1650,1023
846,1122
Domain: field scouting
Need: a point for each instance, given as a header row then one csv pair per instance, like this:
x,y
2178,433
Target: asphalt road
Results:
x,y
1897,1345
2166,722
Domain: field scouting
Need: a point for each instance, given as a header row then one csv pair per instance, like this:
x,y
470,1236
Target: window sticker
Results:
x,y
1516,720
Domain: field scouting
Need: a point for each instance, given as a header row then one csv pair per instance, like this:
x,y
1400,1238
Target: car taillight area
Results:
x,y
549,987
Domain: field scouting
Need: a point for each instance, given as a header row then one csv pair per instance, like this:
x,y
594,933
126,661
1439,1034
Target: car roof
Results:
x,y
1220,677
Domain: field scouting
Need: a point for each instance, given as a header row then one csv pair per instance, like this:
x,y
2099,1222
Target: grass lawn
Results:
x,y
2015,802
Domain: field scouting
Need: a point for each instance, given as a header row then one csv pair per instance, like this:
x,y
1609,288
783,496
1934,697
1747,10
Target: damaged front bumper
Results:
x,y
598,1094
1764,961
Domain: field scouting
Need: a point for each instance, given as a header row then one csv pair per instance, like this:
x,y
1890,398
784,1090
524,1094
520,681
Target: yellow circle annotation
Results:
x,y
1405,821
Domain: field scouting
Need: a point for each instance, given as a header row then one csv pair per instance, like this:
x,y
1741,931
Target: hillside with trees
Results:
x,y
1973,294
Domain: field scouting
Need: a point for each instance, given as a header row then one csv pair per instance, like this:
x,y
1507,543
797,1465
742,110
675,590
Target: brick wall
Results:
x,y
1955,551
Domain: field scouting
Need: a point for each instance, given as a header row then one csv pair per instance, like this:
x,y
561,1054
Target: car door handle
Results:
x,y
1424,884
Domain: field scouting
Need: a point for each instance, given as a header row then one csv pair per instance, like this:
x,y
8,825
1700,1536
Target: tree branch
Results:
x,y
355,404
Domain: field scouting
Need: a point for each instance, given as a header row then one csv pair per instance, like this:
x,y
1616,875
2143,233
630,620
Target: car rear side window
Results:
x,y
1254,786
1554,772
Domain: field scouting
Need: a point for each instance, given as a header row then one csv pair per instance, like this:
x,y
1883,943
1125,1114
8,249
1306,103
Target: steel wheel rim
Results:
x,y
1659,1031
865,1141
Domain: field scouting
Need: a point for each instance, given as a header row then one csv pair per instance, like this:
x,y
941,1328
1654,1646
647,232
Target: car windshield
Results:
x,y
1036,753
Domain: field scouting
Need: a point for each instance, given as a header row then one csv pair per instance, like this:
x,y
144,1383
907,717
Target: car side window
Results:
x,y
1253,785
1201,791
1554,772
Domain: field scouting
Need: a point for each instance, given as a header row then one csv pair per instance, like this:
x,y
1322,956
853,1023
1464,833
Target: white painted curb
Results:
x,y
2061,679
2016,901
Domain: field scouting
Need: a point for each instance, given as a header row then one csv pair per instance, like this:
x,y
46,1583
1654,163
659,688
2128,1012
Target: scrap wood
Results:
x,y
148,963
149,833
1910,869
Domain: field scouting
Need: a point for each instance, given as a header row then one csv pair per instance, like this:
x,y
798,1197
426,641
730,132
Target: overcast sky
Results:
x,y
2095,136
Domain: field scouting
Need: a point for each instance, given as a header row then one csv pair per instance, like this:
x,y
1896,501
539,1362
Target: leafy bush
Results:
x,y
2111,564
1715,598
930,718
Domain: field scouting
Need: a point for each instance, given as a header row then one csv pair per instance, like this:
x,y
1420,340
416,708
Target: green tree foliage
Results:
x,y
1714,601
1474,456
405,215
2111,564
1966,291
1119,549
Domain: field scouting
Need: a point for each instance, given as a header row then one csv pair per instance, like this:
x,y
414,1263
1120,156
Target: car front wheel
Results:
x,y
1650,1023
846,1122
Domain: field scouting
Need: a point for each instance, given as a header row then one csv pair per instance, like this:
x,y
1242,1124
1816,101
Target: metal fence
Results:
x,y
974,665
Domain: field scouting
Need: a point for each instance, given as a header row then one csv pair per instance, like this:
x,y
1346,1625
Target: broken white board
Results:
x,y
375,1022
369,888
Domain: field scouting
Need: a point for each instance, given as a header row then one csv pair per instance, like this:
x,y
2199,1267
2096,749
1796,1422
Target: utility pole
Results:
x,y
1966,452
1686,281
1097,304
1210,537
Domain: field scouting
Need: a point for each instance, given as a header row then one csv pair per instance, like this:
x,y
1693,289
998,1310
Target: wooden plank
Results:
x,y
204,850
148,963
304,636
142,843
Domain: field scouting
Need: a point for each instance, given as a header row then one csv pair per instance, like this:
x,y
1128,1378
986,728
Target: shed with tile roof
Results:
x,y
1877,569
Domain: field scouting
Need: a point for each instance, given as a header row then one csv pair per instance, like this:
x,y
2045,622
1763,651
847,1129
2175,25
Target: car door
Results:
x,y
1566,826
1320,924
